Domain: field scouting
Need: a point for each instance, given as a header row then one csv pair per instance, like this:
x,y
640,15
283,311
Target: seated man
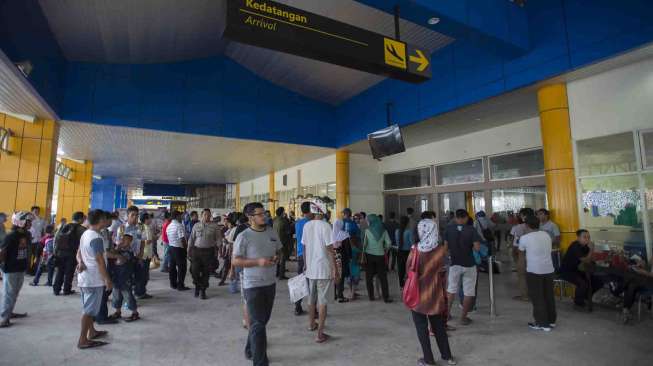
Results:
x,y
580,251
641,281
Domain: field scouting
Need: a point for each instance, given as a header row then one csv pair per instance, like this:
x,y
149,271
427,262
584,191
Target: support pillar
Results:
x,y
75,194
272,193
558,160
342,181
238,208
27,169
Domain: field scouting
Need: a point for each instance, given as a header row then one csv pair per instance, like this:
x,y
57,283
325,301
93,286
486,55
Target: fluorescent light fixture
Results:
x,y
434,21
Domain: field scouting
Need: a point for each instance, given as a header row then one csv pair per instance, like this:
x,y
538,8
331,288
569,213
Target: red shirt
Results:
x,y
164,235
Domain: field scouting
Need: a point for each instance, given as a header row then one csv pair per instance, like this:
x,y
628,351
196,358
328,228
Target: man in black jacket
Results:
x,y
66,243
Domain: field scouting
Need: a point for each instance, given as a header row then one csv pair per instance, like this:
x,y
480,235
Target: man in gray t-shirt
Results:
x,y
256,250
253,244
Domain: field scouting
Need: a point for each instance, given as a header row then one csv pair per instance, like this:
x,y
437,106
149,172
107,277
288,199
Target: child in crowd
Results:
x,y
47,259
122,275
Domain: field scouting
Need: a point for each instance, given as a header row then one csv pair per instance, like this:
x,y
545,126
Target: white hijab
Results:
x,y
339,234
427,230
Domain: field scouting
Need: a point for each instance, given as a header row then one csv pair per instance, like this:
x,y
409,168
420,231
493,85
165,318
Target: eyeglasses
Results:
x,y
257,214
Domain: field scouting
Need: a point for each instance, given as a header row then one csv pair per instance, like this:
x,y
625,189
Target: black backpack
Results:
x,y
64,241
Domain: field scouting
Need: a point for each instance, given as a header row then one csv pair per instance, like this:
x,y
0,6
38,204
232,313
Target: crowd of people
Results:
x,y
112,260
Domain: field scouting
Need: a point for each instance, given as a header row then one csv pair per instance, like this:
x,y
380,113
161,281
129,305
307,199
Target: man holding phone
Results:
x,y
256,250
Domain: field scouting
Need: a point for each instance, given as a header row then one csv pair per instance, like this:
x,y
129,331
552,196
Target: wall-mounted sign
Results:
x,y
63,171
5,136
287,29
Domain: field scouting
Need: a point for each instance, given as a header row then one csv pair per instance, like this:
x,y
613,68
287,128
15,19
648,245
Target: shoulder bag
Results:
x,y
411,287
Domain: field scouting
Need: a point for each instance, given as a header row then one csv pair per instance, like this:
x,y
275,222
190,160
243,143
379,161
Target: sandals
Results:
x,y
313,327
18,315
115,316
343,299
325,337
132,318
100,334
92,344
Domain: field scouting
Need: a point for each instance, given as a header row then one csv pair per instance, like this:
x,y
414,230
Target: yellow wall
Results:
x,y
27,173
558,160
75,194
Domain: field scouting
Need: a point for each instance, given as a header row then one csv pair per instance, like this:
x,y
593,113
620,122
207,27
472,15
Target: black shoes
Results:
x,y
203,294
183,288
197,292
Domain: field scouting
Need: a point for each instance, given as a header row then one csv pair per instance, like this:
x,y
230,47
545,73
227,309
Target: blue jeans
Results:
x,y
50,266
259,306
12,282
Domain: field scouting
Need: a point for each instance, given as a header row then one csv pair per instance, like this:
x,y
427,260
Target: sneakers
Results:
x,y
537,327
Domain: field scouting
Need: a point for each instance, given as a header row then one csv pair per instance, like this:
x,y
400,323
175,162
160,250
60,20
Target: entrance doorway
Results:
x,y
472,201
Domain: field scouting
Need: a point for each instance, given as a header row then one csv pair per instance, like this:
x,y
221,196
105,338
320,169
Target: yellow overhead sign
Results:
x,y
395,53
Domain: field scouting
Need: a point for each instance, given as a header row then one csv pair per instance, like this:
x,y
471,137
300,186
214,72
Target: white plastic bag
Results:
x,y
298,288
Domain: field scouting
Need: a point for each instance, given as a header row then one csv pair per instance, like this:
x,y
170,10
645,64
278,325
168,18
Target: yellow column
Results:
x,y
272,191
558,160
469,204
342,181
27,171
75,194
238,208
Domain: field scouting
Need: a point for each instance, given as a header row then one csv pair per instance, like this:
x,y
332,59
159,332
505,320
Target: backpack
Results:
x,y
63,243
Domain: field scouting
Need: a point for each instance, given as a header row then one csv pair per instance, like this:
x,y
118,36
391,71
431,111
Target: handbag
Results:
x,y
411,287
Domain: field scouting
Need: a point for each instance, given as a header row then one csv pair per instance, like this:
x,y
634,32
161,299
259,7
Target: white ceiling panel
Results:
x,y
136,31
138,155
17,95
152,31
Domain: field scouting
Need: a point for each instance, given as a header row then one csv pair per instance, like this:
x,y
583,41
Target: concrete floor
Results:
x,y
178,329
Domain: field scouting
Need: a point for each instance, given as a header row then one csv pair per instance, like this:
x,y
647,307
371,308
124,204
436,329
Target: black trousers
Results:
x,y
579,280
202,259
65,271
540,291
300,270
259,307
438,326
178,267
393,259
402,258
376,267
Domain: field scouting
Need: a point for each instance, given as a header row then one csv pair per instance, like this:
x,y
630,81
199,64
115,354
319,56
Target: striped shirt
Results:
x,y
175,232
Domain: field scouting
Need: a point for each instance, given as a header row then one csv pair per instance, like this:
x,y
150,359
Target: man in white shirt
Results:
x,y
34,249
92,280
177,247
539,274
319,258
549,226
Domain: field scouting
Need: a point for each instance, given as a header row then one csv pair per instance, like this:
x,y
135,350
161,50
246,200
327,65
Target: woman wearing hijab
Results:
x,y
376,244
342,246
432,306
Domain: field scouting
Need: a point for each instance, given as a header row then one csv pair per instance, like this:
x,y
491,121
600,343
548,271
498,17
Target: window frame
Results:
x,y
483,170
489,163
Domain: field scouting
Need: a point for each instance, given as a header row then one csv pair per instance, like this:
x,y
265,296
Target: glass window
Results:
x,y
464,172
607,155
409,179
521,164
509,200
612,211
647,149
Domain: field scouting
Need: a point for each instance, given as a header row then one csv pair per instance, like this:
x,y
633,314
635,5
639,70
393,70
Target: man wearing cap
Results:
x,y
13,256
319,259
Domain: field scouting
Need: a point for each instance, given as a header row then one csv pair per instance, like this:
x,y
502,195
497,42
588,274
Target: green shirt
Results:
x,y
376,247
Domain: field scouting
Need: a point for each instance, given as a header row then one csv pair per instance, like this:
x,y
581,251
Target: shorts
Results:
x,y
91,300
318,291
468,275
